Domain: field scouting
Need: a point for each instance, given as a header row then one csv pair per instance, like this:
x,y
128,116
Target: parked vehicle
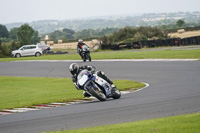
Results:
x,y
96,86
85,53
27,50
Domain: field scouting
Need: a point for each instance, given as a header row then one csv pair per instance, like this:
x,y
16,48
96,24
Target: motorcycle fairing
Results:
x,y
103,84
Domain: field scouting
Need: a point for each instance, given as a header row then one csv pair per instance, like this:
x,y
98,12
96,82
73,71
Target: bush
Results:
x,y
6,49
5,39
15,45
1,56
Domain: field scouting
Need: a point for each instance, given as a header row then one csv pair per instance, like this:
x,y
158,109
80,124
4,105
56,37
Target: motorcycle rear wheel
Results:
x,y
116,94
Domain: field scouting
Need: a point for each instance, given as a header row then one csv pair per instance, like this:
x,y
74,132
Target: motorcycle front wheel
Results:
x,y
89,58
98,93
83,58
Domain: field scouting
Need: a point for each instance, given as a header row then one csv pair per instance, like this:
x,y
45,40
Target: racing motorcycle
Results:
x,y
96,86
86,53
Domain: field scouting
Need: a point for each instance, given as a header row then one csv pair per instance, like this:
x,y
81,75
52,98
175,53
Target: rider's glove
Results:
x,y
91,69
79,50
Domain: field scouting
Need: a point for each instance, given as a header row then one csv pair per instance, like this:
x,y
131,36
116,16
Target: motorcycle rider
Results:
x,y
75,69
79,47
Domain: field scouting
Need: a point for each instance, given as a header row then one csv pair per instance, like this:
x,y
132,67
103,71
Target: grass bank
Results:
x,y
164,54
25,91
189,123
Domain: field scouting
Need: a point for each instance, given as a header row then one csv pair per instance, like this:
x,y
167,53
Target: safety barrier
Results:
x,y
154,43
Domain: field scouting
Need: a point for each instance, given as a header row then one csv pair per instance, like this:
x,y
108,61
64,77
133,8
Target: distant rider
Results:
x,y
79,47
75,70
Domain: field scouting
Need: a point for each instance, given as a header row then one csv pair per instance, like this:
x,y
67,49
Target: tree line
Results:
x,y
16,37
132,34
114,35
68,35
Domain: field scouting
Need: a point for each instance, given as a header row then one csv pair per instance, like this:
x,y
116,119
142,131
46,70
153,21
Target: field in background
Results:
x,y
73,45
185,34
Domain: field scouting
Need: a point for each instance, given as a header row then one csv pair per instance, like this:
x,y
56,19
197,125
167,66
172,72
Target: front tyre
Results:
x,y
116,94
89,58
17,55
83,57
98,93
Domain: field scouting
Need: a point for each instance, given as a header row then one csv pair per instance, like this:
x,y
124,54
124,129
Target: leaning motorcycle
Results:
x,y
96,86
85,53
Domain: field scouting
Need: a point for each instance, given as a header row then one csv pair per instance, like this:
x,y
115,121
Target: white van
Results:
x,y
27,50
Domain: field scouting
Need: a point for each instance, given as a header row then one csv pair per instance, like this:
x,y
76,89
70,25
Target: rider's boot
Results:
x,y
113,86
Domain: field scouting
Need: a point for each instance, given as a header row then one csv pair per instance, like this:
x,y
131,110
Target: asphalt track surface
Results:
x,y
174,89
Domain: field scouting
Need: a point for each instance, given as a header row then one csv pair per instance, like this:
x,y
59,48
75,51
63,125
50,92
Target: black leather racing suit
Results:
x,y
79,48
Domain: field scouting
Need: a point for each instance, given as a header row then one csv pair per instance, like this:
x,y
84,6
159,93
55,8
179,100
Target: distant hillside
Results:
x,y
48,26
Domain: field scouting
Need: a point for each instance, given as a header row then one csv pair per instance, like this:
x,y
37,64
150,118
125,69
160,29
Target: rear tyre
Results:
x,y
17,55
37,54
116,94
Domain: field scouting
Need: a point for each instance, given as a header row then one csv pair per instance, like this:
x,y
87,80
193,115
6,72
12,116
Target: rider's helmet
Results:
x,y
73,68
80,40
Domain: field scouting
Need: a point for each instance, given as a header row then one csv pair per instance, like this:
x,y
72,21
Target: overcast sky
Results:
x,y
32,10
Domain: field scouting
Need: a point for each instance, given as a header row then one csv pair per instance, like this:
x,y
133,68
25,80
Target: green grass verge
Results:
x,y
26,91
165,54
189,123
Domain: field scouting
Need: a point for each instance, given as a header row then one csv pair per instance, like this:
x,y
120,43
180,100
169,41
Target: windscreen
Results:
x,y
82,77
85,48
83,72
